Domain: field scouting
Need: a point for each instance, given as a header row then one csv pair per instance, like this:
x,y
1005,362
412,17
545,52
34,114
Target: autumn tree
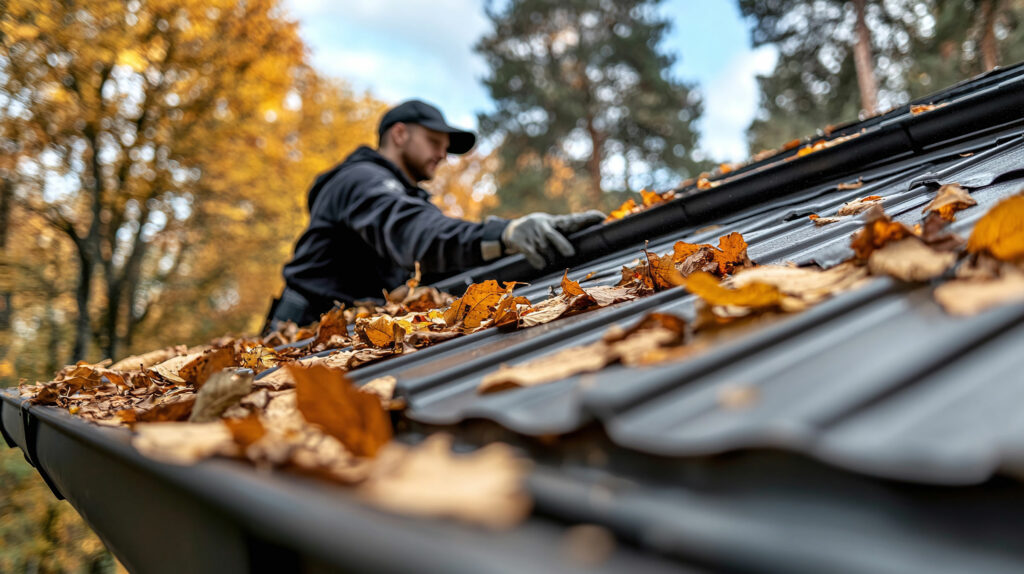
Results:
x,y
584,86
116,106
966,38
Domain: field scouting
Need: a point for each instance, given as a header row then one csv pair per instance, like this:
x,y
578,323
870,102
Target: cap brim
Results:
x,y
460,141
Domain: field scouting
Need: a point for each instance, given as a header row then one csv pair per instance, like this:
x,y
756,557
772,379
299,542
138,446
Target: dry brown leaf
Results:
x,y
381,331
848,186
879,229
183,443
570,288
909,259
146,360
484,487
808,285
475,306
384,389
823,221
948,200
1000,232
859,205
327,398
174,408
258,358
972,296
560,365
332,323
245,431
730,253
220,392
168,370
663,271
922,108
198,370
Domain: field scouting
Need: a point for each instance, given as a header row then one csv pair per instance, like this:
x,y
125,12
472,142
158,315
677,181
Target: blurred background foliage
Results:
x,y
155,155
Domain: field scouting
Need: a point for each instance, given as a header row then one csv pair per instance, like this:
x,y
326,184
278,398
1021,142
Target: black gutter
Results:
x,y
984,111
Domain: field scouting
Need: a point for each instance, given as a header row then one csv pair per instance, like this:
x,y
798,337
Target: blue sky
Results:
x,y
398,50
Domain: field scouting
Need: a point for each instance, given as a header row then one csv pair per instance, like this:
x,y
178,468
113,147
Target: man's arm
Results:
x,y
407,229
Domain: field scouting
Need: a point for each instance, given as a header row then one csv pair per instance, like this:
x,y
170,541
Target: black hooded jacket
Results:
x,y
368,226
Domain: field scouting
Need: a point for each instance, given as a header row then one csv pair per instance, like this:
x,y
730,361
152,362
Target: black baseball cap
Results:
x,y
426,115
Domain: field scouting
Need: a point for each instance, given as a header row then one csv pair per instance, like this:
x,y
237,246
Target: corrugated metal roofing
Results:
x,y
884,437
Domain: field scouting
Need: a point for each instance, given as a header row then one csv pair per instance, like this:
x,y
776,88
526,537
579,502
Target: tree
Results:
x,y
966,38
115,105
914,47
584,85
837,61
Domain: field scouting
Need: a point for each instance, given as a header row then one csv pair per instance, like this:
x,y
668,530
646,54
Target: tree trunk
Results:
x,y
6,199
989,49
864,62
594,164
83,332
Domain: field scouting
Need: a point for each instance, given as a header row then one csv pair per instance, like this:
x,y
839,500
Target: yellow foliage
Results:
x,y
1001,231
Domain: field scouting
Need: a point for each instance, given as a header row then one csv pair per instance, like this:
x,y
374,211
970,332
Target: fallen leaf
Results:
x,y
570,288
663,271
803,286
909,259
382,331
245,431
325,397
475,306
557,366
484,487
258,358
879,229
922,108
948,200
730,253
146,360
220,392
750,296
183,443
384,389
176,408
198,370
823,221
627,208
972,296
1000,232
332,323
848,186
859,205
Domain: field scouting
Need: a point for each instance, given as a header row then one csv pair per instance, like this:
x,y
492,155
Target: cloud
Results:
x,y
399,50
730,103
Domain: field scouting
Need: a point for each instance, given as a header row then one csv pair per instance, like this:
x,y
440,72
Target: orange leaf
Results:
x,y
246,431
571,288
381,331
663,271
475,306
1001,231
753,295
331,323
878,230
627,207
948,200
325,397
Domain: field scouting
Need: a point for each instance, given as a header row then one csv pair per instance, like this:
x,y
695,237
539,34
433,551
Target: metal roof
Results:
x,y
886,435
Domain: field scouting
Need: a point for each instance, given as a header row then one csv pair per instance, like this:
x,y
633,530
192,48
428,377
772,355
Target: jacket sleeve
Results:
x,y
406,229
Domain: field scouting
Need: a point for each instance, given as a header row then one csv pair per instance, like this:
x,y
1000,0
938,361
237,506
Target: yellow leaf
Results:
x,y
752,295
1001,231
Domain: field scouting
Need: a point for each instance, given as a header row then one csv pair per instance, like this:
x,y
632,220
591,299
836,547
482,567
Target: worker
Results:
x,y
370,222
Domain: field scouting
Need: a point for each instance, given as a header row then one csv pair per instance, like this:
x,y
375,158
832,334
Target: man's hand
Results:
x,y
538,235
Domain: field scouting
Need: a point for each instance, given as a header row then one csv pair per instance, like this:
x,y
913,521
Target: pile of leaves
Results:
x,y
186,404
989,271
648,199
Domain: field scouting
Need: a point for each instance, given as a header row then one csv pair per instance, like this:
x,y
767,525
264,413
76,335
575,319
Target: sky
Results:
x,y
398,50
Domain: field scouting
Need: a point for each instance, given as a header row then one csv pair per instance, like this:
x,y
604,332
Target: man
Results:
x,y
370,223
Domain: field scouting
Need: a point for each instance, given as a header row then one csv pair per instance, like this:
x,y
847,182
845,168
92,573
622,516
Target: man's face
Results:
x,y
423,150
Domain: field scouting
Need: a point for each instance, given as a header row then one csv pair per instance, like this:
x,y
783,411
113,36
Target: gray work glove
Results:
x,y
538,235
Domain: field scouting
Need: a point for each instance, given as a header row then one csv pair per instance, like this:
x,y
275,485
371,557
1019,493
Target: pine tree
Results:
x,y
584,86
